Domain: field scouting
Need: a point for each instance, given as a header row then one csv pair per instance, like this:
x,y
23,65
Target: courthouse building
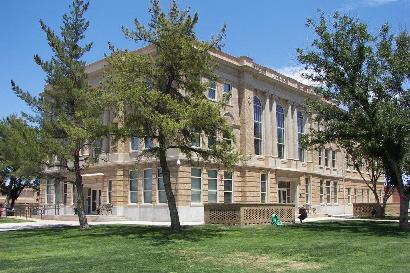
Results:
x,y
268,116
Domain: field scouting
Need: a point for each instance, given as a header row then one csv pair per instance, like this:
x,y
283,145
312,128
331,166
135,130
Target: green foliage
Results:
x,y
364,78
159,94
68,111
21,157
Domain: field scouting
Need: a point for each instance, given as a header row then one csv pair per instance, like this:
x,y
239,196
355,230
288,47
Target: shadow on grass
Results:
x,y
379,228
153,234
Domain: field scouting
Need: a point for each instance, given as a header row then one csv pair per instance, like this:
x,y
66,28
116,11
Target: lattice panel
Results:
x,y
223,216
363,209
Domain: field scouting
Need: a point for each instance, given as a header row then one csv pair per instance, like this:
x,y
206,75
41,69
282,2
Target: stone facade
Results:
x,y
331,186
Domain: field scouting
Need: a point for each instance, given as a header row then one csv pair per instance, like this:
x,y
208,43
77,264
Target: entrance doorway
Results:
x,y
93,200
284,192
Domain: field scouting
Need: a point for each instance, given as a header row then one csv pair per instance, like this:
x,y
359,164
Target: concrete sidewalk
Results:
x,y
36,223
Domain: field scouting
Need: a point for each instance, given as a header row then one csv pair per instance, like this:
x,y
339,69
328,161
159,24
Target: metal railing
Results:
x,y
28,211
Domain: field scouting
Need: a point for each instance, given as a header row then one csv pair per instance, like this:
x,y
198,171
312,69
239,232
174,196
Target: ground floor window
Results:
x,y
228,187
349,195
49,193
328,192
57,191
264,182
133,187
355,195
335,193
162,196
308,189
212,186
322,190
368,195
109,191
284,192
148,186
65,192
196,185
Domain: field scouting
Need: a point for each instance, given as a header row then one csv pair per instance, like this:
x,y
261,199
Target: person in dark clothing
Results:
x,y
302,214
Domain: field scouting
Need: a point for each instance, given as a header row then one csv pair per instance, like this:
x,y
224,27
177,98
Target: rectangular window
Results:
x,y
49,194
355,195
320,156
135,144
349,195
328,192
227,93
162,196
148,186
335,193
148,143
368,195
362,197
264,183
301,132
212,186
321,189
228,187
65,192
307,190
211,141
333,159
109,189
227,139
133,187
57,188
196,140
212,91
257,125
380,196
327,151
196,185
280,123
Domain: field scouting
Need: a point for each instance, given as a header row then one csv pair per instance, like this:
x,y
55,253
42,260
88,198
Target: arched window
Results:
x,y
280,121
301,132
257,125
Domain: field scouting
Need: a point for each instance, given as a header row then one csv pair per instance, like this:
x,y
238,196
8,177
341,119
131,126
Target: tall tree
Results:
x,y
21,158
365,78
160,95
69,111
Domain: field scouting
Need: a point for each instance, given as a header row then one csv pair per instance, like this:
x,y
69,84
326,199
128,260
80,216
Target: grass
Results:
x,y
343,246
9,220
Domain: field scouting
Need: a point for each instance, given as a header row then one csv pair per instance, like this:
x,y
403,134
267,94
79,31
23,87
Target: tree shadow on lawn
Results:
x,y
379,228
157,235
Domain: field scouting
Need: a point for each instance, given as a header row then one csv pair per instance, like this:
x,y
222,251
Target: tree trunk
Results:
x,y
380,211
404,212
80,193
166,175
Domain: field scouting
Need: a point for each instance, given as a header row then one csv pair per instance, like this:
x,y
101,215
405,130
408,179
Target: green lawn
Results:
x,y
8,220
345,246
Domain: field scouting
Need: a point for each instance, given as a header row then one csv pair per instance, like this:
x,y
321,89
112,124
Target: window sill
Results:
x,y
197,204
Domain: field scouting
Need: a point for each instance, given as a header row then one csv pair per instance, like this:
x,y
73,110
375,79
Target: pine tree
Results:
x,y
160,95
69,110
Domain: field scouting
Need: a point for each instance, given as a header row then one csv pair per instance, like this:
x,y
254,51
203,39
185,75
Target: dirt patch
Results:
x,y
250,260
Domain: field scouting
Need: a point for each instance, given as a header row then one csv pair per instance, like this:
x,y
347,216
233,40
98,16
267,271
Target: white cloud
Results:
x,y
296,72
355,4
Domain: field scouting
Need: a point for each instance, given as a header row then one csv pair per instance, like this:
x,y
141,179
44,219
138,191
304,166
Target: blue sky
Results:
x,y
267,31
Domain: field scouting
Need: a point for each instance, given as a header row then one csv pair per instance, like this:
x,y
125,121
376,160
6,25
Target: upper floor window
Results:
x,y
135,143
301,131
320,156
280,121
212,91
228,187
148,143
212,186
196,140
333,159
257,125
227,92
211,140
327,151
